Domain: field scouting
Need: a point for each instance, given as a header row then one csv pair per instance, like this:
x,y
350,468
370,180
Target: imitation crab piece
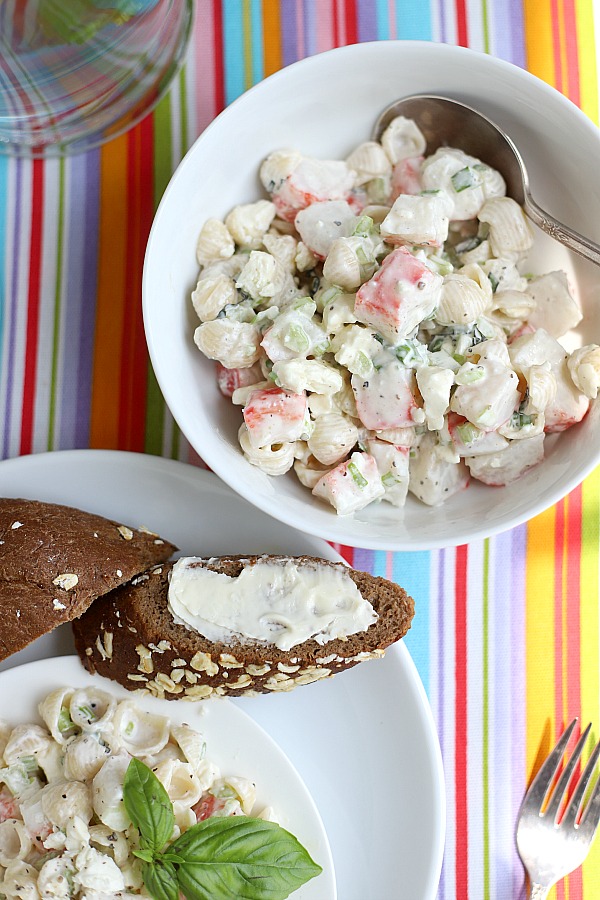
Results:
x,y
311,181
385,398
399,296
499,469
433,477
352,485
229,380
273,416
568,406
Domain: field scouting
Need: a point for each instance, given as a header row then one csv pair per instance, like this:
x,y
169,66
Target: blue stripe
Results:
x,y
4,164
233,40
256,25
383,20
412,571
413,21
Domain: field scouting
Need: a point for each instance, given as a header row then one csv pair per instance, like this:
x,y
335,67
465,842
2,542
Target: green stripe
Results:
x,y
486,721
57,301
486,26
163,154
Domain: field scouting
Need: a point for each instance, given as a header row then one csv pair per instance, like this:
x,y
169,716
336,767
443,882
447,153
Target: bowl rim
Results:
x,y
343,529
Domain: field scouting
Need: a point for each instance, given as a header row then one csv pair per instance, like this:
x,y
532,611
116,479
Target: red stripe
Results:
x,y
219,66
336,24
462,30
351,21
33,306
570,30
345,552
573,587
134,365
460,741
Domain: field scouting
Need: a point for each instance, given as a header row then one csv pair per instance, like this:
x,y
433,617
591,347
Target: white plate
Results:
x,y
364,742
234,742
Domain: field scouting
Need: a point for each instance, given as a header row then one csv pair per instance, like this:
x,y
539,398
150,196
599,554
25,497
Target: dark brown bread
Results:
x,y
55,560
130,636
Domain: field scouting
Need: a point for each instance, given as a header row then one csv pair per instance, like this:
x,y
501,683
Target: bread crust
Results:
x,y
56,560
130,636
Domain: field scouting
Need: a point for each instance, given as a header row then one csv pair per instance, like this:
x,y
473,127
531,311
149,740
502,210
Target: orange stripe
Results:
x,y
539,44
112,249
272,36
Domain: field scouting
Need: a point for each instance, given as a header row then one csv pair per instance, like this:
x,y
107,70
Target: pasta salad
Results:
x,y
375,323
89,799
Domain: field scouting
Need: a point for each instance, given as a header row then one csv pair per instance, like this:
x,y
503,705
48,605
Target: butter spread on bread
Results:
x,y
131,636
56,560
275,602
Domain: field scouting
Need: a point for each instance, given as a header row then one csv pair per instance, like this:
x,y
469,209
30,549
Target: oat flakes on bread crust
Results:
x,y
130,636
56,560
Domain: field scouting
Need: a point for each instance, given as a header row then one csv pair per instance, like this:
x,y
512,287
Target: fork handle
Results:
x,y
538,892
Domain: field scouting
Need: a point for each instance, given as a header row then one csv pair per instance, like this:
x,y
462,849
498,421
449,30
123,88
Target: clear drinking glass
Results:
x,y
74,73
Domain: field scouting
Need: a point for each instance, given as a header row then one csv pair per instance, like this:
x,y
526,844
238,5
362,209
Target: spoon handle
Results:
x,y
568,236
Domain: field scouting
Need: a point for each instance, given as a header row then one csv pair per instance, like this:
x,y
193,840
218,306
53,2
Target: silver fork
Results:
x,y
550,844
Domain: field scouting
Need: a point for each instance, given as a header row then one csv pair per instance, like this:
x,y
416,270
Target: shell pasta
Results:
x,y
402,344
64,829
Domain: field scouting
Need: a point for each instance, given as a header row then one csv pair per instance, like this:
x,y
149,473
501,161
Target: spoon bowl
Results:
x,y
447,122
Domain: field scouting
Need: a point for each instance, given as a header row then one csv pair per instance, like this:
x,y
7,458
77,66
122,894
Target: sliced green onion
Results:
x,y
493,281
389,479
88,713
429,193
362,256
357,477
469,244
464,178
520,419
129,728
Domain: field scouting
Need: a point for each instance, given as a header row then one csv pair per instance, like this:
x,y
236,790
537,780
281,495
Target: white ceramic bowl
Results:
x,y
324,106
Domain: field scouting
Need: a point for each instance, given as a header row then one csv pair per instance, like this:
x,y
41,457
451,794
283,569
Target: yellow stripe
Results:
x,y
538,39
539,625
588,64
590,647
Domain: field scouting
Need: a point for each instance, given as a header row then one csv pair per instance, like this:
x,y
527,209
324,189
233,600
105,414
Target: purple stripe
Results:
x,y
311,26
443,23
364,560
14,295
88,299
442,685
289,32
508,32
366,20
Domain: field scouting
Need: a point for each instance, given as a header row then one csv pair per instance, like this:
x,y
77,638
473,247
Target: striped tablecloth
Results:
x,y
506,638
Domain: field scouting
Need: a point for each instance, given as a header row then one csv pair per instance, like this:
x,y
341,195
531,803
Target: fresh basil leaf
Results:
x,y
147,855
241,857
160,880
148,805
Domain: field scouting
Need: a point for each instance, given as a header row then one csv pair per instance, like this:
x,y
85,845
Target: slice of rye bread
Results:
x,y
56,560
130,636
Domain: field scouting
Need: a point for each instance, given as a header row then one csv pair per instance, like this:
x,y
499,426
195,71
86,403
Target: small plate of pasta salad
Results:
x,y
105,795
376,320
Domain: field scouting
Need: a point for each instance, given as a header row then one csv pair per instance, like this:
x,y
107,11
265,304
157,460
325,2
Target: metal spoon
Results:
x,y
446,122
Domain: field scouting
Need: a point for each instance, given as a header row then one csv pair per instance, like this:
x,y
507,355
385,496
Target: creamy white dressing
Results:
x,y
281,603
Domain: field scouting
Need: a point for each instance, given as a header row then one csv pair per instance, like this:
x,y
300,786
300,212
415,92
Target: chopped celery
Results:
x,y
297,339
364,227
465,178
389,479
65,722
30,763
363,364
88,713
469,433
357,477
470,374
